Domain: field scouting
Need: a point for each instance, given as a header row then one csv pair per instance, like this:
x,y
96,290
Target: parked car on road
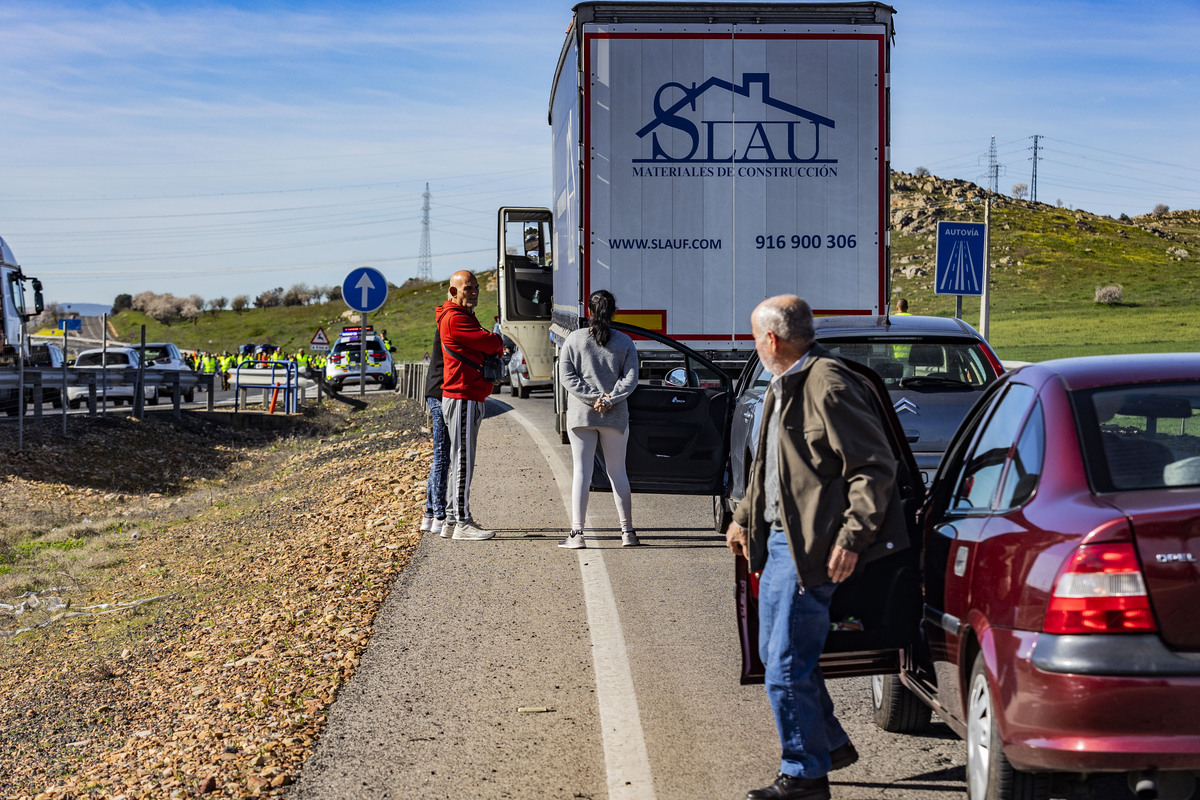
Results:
x,y
1062,538
115,360
166,357
519,381
934,369
342,363
47,357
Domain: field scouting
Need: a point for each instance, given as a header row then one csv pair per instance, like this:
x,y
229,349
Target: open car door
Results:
x,y
677,421
875,614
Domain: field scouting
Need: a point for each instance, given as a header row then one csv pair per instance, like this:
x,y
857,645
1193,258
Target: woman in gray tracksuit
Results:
x,y
599,368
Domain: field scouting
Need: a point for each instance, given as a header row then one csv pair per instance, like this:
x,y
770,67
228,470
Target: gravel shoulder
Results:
x,y
180,603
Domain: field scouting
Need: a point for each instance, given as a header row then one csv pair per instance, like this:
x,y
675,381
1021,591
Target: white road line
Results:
x,y
626,763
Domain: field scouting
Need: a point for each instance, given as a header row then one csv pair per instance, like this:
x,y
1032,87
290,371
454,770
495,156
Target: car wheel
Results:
x,y
523,392
189,396
722,516
989,775
897,709
153,398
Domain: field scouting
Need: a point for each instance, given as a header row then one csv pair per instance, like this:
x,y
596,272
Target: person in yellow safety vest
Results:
x,y
302,362
900,351
225,365
208,364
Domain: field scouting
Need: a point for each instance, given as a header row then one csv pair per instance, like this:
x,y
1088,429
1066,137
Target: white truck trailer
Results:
x,y
706,156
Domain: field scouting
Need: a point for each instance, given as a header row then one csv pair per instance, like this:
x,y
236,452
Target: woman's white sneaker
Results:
x,y
574,541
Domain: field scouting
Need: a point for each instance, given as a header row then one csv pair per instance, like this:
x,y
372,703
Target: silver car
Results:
x,y
934,369
114,360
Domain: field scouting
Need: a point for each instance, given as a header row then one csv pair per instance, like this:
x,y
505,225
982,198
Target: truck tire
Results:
x,y
897,709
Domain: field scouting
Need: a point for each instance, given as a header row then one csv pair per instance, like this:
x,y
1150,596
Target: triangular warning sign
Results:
x,y
320,337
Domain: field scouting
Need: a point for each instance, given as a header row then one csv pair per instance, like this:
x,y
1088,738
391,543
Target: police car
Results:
x,y
342,363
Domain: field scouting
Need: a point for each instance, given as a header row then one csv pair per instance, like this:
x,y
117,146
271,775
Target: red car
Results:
x,y
1061,628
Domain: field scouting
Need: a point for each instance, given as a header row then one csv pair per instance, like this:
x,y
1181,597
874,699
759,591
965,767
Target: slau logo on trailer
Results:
x,y
794,140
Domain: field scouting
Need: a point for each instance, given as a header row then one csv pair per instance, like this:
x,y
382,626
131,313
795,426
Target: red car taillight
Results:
x,y
1100,590
335,359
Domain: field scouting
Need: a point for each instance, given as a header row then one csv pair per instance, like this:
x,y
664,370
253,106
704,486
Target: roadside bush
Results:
x,y
1108,295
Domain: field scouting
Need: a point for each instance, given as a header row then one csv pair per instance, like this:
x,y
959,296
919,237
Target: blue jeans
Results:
x,y
435,487
793,622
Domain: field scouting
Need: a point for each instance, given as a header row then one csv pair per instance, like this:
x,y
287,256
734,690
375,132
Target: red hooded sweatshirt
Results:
x,y
461,333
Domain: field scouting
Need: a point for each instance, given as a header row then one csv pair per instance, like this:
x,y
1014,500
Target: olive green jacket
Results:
x,y
836,471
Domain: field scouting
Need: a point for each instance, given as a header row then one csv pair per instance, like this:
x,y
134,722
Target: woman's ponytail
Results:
x,y
602,306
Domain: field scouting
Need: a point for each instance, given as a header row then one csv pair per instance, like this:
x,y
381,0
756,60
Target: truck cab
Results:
x,y
14,345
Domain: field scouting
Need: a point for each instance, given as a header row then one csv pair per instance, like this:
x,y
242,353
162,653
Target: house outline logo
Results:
x,y
754,141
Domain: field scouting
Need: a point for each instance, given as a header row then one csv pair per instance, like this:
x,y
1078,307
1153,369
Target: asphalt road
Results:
x,y
513,669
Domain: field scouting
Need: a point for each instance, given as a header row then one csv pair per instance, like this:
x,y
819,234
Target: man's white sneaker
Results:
x,y
426,523
574,541
630,539
438,526
469,530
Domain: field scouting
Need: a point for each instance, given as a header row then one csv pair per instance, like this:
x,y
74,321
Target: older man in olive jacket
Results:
x,y
821,489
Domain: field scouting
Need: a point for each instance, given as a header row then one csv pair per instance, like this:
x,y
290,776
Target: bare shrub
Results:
x,y
1108,295
1019,190
1160,209
239,303
921,172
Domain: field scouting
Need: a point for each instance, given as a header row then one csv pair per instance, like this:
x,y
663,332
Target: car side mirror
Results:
x,y
682,377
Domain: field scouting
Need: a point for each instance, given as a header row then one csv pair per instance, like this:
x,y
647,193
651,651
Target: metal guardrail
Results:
x,y
270,376
410,379
36,380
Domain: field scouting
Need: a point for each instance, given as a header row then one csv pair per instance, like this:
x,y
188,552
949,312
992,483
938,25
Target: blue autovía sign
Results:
x,y
960,254
70,324
365,289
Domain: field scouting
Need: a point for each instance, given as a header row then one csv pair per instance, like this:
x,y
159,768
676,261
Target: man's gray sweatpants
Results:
x,y
463,418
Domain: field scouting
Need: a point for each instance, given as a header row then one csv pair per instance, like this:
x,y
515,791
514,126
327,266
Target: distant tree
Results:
x,y
1019,190
217,304
1160,209
239,303
164,308
298,295
335,293
1124,218
270,298
190,311
122,302
142,301
921,172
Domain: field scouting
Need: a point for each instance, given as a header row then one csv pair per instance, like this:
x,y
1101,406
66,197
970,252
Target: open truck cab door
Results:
x,y
679,420
525,272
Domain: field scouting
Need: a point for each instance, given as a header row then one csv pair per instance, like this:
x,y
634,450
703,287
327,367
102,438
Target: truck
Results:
x,y
14,344
706,156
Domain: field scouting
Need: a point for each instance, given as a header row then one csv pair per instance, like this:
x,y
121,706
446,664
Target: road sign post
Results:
x,y
364,290
961,255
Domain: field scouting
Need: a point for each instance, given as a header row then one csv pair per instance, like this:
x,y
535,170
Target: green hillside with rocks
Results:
x,y
1048,264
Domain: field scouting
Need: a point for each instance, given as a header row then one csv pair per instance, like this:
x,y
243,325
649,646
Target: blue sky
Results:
x,y
228,148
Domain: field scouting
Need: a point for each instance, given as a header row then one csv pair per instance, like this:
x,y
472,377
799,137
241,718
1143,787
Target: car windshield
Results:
x,y
1144,436
155,353
920,363
913,364
95,360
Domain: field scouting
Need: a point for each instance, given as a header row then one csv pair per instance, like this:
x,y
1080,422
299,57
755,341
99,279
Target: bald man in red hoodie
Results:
x,y
463,394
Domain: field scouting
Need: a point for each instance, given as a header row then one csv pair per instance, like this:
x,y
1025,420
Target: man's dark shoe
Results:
x,y
786,787
844,756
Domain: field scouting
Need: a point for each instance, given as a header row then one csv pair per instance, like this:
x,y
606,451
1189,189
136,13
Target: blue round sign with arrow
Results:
x,y
365,289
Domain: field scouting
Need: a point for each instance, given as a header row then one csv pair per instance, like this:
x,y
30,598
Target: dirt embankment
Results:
x,y
191,595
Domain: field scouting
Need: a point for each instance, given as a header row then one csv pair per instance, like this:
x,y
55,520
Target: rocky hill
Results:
x,y
1043,256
